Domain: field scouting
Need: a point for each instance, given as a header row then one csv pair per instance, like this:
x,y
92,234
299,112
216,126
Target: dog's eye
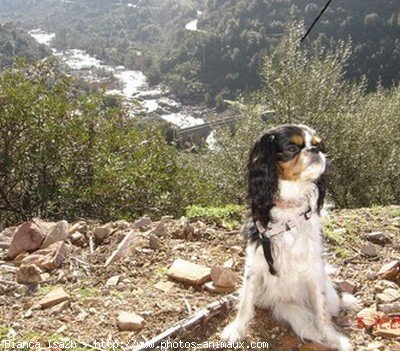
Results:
x,y
292,148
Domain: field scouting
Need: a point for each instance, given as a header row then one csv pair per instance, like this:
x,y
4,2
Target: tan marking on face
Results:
x,y
292,169
297,139
315,140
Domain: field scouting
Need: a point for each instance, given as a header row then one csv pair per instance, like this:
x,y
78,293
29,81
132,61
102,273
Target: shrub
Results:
x,y
63,156
362,132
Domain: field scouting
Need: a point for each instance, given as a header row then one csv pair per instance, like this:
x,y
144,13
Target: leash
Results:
x,y
265,235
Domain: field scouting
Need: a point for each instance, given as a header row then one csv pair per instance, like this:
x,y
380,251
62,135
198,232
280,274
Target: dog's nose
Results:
x,y
313,149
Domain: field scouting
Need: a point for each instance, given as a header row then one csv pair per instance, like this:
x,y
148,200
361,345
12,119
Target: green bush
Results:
x,y
229,216
63,156
362,131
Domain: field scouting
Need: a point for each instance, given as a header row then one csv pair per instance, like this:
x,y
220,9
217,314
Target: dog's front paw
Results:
x,y
233,333
343,344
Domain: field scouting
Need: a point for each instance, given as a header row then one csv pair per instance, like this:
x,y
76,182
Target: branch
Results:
x,y
211,310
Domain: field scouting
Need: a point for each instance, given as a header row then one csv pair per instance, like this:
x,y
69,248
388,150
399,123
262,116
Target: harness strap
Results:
x,y
266,235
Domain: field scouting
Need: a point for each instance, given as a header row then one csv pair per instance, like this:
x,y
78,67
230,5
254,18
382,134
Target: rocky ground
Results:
x,y
88,286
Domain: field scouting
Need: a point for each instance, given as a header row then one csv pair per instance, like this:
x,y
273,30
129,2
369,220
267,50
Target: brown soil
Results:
x,y
94,307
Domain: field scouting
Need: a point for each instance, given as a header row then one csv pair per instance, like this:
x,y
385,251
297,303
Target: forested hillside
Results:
x,y
15,43
224,54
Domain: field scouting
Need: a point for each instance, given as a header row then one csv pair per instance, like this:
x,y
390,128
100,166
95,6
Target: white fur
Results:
x,y
302,294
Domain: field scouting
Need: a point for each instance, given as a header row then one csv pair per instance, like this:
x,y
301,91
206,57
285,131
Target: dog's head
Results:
x,y
288,152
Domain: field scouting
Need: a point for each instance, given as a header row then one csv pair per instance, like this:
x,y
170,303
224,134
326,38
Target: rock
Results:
x,y
347,286
189,272
58,232
80,227
224,277
236,249
213,288
367,318
121,225
378,238
164,286
28,237
369,250
49,258
375,345
230,264
113,281
390,271
128,321
6,237
77,239
143,222
372,275
54,297
29,274
131,241
388,295
100,233
160,229
381,285
389,329
290,342
166,219
57,309
391,308
169,104
154,243
314,346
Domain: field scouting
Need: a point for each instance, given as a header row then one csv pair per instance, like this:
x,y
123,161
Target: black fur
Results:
x,y
262,180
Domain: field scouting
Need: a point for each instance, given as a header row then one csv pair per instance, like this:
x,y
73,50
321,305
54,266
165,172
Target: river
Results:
x,y
133,85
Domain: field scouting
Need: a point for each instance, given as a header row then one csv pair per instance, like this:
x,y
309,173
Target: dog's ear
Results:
x,y
262,178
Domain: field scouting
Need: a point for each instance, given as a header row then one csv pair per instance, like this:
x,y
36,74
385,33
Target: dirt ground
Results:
x,y
91,315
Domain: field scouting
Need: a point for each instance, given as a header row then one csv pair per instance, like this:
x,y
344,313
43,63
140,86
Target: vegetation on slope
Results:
x,y
223,58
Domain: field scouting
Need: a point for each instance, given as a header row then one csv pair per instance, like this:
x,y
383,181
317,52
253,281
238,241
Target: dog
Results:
x,y
284,268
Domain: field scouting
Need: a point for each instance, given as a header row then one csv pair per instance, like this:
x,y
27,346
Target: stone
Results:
x,y
160,229
77,239
164,286
390,271
375,345
49,258
378,238
128,321
213,288
224,277
388,295
189,272
29,274
6,237
236,249
290,342
113,281
54,297
100,233
58,232
314,346
230,264
366,317
154,243
347,286
132,240
372,275
61,307
369,250
80,227
143,222
391,308
28,237
389,329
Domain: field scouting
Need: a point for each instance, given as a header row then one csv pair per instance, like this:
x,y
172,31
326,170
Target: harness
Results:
x,y
265,235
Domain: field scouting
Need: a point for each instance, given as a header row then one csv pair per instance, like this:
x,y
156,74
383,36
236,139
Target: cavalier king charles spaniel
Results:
x,y
284,269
